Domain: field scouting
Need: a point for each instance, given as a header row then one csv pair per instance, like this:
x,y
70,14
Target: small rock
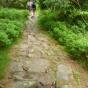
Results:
x,y
18,76
16,67
25,68
30,55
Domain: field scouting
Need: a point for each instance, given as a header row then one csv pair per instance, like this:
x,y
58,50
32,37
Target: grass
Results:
x,y
4,62
77,77
12,24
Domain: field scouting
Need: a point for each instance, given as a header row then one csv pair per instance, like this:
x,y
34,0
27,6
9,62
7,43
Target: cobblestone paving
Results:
x,y
38,62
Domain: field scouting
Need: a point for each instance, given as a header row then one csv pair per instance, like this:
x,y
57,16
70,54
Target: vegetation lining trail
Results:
x,y
36,58
12,23
68,25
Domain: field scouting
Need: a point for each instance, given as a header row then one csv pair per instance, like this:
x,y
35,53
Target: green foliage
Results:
x,y
11,25
74,36
4,40
41,4
9,31
57,4
4,61
12,22
13,3
13,14
61,5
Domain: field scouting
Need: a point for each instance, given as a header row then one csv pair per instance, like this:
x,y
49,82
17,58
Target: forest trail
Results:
x,y
38,61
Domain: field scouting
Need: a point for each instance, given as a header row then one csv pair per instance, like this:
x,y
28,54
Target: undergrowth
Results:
x,y
12,24
72,33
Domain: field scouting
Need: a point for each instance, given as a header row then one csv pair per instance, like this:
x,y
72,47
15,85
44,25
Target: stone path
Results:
x,y
39,62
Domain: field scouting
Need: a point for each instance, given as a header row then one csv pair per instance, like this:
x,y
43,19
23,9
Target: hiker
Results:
x,y
32,7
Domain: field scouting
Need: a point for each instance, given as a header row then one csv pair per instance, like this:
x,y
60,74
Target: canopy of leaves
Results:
x,y
57,4
62,4
13,3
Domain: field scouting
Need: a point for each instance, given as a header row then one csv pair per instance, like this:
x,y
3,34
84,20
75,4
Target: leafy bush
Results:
x,y
9,31
57,4
13,3
13,14
4,40
73,37
50,20
11,25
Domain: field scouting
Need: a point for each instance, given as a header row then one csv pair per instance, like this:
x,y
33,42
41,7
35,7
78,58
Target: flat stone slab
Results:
x,y
65,77
18,76
64,72
16,67
37,65
45,78
24,84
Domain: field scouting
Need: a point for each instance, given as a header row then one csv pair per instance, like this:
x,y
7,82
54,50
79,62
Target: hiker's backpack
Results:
x,y
33,5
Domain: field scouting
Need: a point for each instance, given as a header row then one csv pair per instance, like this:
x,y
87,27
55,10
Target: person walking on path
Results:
x,y
32,7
